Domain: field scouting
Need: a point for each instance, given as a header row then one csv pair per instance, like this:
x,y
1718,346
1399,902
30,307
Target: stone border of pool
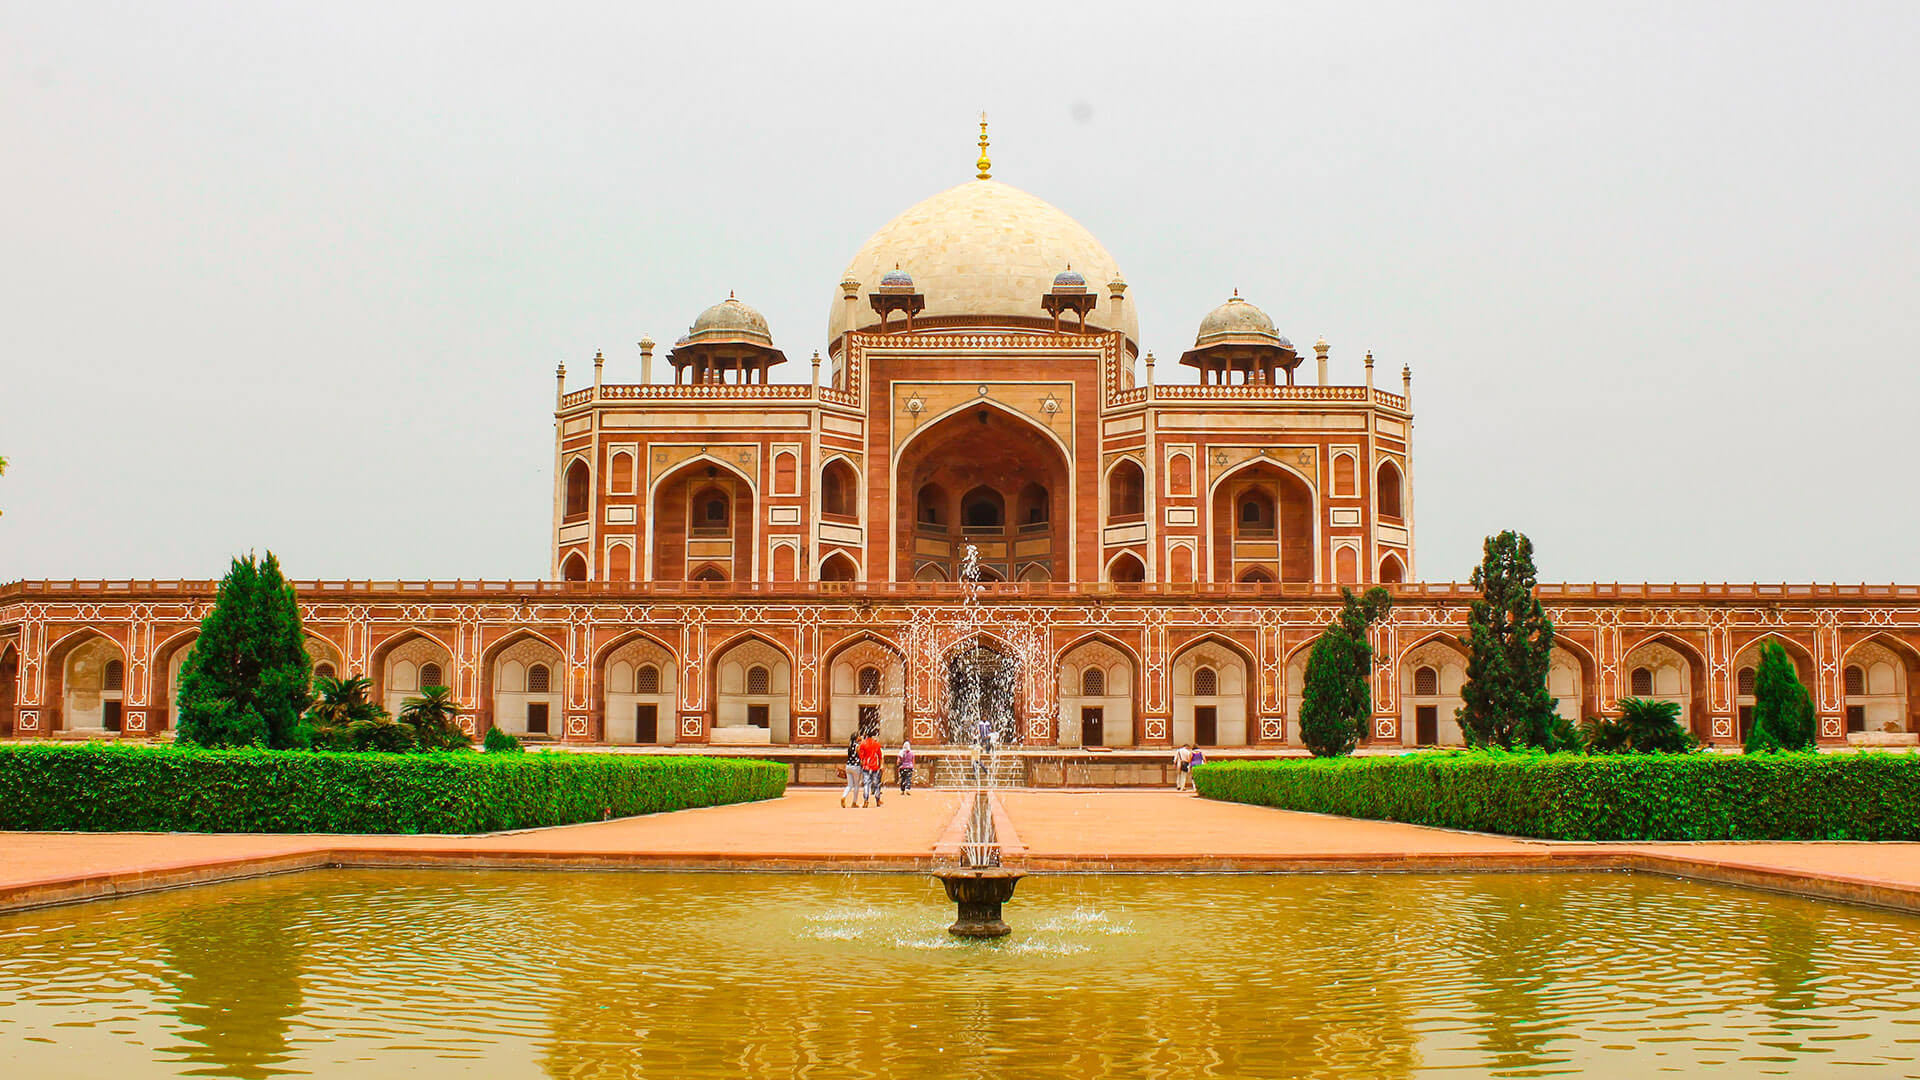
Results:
x,y
112,865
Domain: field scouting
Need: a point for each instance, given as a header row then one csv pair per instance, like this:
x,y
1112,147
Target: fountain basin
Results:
x,y
979,891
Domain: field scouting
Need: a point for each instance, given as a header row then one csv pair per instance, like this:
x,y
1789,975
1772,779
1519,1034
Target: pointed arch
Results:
x,y
76,700
573,567
1230,715
1392,570
1693,698
1097,677
839,566
839,488
9,687
1292,528
577,489
1126,491
1388,490
669,512
746,713
510,703
379,667
1125,568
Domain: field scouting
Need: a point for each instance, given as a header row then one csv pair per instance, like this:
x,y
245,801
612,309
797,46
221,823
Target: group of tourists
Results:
x,y
867,768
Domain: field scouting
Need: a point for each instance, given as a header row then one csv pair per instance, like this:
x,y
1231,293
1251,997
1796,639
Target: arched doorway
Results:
x,y
1262,516
983,688
703,524
1431,675
639,679
526,687
985,477
1665,669
9,689
1876,680
1212,688
409,664
1096,696
867,684
752,700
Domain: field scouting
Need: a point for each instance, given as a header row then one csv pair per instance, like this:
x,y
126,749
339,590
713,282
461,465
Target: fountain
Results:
x,y
979,885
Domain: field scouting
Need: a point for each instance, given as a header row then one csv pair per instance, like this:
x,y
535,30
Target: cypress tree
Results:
x,y
1782,708
246,681
1337,702
1510,646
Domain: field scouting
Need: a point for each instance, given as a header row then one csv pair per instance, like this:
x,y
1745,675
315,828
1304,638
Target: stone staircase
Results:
x,y
955,768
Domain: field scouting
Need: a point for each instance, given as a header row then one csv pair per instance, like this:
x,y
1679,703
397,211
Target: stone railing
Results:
x,y
858,590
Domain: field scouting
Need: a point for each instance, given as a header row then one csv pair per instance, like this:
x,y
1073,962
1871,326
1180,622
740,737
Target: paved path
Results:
x,y
1044,830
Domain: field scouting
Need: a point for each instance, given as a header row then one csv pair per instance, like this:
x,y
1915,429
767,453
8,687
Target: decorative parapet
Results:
x,y
1262,392
691,391
1460,592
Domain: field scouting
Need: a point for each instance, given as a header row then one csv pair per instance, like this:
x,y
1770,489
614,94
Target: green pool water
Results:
x,y
375,974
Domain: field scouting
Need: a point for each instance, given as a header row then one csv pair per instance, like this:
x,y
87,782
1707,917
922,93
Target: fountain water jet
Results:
x,y
979,885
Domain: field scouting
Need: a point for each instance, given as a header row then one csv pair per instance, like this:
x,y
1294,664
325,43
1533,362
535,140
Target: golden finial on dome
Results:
x,y
985,164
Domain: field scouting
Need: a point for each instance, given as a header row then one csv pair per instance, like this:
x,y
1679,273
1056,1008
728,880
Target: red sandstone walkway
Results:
x,y
1044,830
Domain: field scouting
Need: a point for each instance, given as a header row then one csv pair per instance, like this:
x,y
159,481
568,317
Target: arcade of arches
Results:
x,y
1115,671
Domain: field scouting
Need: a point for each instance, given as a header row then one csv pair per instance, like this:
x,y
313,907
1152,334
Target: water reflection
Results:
x,y
624,975
235,970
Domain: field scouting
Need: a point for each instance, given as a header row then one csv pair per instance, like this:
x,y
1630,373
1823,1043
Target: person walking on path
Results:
x,y
871,764
855,781
1183,758
904,768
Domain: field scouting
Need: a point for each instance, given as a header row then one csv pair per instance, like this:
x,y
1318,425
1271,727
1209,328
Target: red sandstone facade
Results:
x,y
748,562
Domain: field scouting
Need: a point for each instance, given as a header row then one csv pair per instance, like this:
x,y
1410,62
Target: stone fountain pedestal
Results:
x,y
979,891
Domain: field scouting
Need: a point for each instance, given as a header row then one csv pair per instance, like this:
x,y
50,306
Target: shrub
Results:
x,y
1510,646
1645,726
187,789
500,742
1793,796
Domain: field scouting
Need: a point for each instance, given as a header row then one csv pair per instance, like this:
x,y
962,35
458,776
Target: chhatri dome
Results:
x,y
984,249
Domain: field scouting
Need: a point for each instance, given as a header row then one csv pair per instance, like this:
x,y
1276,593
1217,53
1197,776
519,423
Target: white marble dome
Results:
x,y
983,248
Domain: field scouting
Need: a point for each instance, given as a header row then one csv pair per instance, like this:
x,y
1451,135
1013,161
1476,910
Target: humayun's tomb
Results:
x,y
743,561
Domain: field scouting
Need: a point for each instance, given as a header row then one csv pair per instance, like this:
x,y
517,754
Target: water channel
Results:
x,y
381,974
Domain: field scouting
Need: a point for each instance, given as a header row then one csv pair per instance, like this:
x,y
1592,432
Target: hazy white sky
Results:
x,y
297,276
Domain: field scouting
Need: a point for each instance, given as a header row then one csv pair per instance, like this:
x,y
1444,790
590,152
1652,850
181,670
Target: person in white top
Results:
x,y
1182,757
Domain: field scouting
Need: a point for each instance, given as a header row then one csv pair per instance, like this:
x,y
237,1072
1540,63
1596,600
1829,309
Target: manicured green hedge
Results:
x,y
1869,796
182,789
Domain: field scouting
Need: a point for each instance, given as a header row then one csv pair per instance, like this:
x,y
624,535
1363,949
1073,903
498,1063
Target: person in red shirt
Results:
x,y
870,762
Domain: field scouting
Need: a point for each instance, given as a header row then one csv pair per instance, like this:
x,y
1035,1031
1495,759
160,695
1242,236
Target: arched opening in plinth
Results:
x,y
638,681
1878,674
1430,675
1665,668
752,694
91,671
1213,694
986,477
525,688
983,693
1097,695
867,691
9,689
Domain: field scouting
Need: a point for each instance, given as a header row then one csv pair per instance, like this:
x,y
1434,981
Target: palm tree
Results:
x,y
433,717
1645,726
338,705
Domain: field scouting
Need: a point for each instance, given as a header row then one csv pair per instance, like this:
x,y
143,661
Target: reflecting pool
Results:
x,y
375,974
